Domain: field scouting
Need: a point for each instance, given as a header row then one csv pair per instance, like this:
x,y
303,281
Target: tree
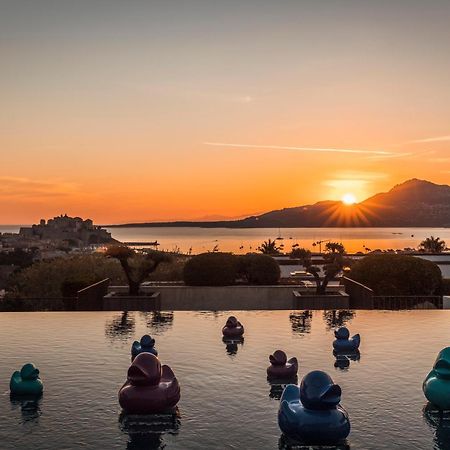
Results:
x,y
334,247
269,247
334,263
433,245
136,265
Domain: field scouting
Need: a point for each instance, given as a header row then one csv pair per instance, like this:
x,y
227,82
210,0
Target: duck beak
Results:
x,y
331,395
442,367
136,375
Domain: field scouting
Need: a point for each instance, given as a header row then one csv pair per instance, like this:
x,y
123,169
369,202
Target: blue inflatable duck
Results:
x,y
146,344
436,386
343,342
27,381
312,413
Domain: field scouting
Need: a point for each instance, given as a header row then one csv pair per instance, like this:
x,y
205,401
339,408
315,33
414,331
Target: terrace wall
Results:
x,y
188,298
360,296
91,297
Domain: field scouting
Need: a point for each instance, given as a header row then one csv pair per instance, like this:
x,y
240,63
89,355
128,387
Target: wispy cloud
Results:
x,y
13,187
380,153
430,139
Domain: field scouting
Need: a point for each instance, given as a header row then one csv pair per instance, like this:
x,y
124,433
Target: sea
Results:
x,y
197,240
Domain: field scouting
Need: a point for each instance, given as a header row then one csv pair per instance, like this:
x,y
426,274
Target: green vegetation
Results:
x,y
211,269
334,263
17,257
223,269
269,247
137,265
389,274
259,269
432,245
62,276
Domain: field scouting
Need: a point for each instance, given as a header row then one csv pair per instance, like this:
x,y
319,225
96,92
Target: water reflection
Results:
x,y
232,345
120,326
286,443
147,432
301,322
29,407
158,321
337,318
439,423
277,387
343,359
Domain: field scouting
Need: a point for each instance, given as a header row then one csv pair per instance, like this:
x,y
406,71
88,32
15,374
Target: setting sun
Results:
x,y
349,199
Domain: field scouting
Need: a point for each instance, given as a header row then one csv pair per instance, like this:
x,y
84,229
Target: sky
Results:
x,y
164,110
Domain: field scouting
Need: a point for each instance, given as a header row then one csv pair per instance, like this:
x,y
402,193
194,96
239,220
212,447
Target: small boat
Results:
x,y
279,238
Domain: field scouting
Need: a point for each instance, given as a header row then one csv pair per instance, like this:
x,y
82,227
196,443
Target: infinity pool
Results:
x,y
226,401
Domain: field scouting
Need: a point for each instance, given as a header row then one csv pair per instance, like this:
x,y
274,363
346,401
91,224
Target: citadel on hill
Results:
x,y
72,231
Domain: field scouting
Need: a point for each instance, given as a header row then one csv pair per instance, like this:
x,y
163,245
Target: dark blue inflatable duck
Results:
x,y
146,344
343,342
26,382
312,413
436,386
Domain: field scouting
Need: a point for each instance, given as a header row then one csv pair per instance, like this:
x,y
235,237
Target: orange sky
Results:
x,y
110,112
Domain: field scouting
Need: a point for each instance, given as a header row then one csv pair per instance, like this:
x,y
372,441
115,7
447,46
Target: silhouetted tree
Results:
x,y
269,247
136,266
433,245
334,263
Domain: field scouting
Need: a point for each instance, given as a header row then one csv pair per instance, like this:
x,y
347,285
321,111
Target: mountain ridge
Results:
x,y
413,203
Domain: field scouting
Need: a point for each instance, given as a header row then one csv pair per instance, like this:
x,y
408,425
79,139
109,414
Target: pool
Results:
x,y
226,400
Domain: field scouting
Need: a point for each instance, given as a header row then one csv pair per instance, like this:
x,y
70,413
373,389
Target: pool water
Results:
x,y
226,400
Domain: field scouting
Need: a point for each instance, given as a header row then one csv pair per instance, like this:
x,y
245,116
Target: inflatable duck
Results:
x,y
27,381
312,413
343,342
150,388
233,328
280,367
146,344
436,386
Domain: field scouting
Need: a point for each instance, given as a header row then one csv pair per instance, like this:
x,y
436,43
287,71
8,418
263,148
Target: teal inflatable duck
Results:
x,y
436,386
27,381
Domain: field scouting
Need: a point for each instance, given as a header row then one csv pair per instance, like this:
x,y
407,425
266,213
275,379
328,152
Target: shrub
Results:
x,y
446,286
211,269
388,274
59,277
259,269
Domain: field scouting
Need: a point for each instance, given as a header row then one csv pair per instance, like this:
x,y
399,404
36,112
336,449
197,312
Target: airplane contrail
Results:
x,y
304,149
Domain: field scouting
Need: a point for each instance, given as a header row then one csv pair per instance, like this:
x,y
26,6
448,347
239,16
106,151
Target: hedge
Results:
x,y
390,274
211,269
259,269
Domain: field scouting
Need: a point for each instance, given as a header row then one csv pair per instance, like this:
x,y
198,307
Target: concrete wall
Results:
x,y
304,300
150,302
187,298
361,297
91,297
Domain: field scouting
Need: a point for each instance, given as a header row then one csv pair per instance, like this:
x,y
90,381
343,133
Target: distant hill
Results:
x,y
414,203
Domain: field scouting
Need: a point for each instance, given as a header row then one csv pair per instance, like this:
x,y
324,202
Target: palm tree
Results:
x,y
433,245
269,247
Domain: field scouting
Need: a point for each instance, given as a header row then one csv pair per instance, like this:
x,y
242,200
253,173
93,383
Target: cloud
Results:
x,y
430,139
14,187
379,153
